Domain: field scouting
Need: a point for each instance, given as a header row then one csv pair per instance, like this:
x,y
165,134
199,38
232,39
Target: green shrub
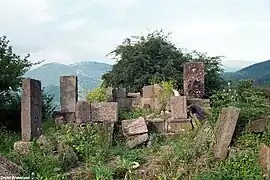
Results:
x,y
98,94
244,166
135,113
7,140
164,95
90,143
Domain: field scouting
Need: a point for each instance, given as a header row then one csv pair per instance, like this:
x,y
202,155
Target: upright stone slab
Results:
x,y
120,93
194,79
104,111
83,110
31,109
149,91
111,94
224,130
178,106
68,93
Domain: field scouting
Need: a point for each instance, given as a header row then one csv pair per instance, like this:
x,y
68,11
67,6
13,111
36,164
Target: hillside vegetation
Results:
x,y
259,73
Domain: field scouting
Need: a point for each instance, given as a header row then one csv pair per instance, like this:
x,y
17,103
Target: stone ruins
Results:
x,y
178,116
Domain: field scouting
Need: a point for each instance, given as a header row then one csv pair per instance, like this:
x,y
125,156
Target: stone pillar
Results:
x,y
194,80
68,97
31,109
68,93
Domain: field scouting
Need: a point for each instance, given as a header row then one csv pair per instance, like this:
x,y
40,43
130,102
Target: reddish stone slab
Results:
x,y
194,79
104,111
134,126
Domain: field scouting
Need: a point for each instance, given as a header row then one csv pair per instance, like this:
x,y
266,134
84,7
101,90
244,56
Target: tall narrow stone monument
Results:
x,y
194,80
31,109
68,93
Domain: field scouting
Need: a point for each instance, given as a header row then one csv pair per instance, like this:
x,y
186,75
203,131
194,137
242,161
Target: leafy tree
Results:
x,y
12,68
142,60
98,94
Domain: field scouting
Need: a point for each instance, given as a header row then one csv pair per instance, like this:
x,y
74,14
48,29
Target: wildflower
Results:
x,y
229,83
223,90
230,90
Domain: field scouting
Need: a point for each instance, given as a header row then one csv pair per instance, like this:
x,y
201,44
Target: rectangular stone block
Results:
x,y
125,103
137,140
134,126
31,109
133,95
120,93
179,127
149,91
68,93
83,111
224,130
156,125
111,94
148,103
178,106
194,79
104,111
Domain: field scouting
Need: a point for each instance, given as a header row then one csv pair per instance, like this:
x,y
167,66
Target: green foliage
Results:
x,y
135,113
244,166
164,95
47,106
246,96
7,140
153,58
98,94
12,67
90,143
258,72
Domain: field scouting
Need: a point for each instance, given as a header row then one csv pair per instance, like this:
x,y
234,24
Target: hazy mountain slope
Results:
x,y
89,76
259,72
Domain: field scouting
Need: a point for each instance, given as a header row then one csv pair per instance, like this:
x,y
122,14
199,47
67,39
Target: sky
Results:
x,y
68,31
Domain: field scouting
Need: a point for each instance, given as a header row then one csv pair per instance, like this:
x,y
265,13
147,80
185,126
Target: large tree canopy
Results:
x,y
153,58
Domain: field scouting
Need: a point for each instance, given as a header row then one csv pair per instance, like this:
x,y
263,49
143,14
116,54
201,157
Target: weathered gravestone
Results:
x,y
178,106
104,111
68,93
149,91
83,111
264,157
224,130
120,93
31,111
194,79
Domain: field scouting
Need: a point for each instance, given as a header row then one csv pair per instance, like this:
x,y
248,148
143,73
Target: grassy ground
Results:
x,y
88,155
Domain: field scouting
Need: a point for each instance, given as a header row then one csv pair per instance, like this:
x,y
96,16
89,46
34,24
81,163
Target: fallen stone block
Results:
x,y
179,127
8,168
22,147
137,140
134,127
264,157
259,125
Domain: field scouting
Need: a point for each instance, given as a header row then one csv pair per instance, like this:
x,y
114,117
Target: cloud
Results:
x,y
69,31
